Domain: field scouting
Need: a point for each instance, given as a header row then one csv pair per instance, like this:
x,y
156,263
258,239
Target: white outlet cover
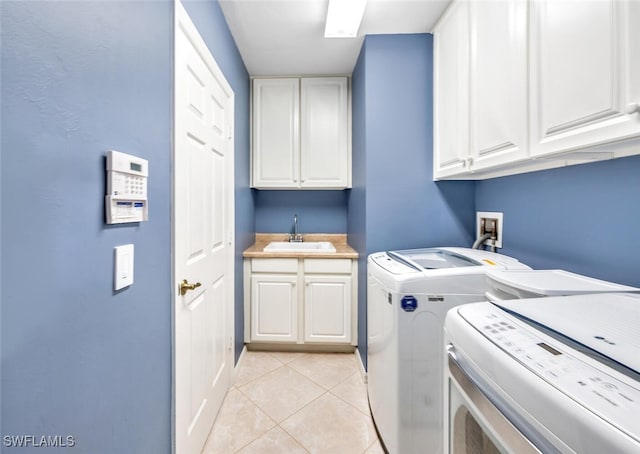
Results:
x,y
493,215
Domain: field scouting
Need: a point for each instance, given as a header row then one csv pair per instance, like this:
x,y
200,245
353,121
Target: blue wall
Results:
x,y
318,211
208,18
80,78
392,158
583,218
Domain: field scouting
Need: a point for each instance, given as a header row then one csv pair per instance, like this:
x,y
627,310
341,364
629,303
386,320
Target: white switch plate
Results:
x,y
123,266
490,215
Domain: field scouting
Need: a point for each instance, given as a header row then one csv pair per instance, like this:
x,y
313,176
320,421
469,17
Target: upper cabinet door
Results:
x,y
324,135
498,83
633,105
584,80
276,140
451,92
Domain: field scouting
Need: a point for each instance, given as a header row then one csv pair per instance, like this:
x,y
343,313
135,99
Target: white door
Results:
x,y
584,77
202,236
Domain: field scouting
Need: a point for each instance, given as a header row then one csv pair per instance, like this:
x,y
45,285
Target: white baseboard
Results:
x,y
363,372
238,364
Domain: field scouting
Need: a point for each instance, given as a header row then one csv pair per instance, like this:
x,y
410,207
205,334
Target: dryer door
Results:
x,y
478,424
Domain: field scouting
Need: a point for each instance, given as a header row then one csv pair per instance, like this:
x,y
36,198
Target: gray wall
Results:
x,y
394,203
78,79
78,359
583,218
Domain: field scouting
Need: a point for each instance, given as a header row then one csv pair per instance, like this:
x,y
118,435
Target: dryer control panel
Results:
x,y
581,378
390,264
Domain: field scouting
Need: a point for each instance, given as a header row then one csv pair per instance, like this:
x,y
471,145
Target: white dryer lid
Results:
x,y
433,258
554,282
606,323
455,257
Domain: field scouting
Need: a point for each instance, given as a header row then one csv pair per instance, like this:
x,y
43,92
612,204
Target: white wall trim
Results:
x,y
361,369
238,364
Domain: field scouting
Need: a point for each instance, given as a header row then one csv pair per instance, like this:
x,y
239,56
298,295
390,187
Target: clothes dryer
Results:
x,y
554,375
409,293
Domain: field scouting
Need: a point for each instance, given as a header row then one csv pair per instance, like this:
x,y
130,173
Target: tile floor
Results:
x,y
295,403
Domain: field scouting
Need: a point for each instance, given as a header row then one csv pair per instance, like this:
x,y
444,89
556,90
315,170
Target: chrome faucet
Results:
x,y
295,237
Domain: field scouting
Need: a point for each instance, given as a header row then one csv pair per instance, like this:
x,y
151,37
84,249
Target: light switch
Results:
x,y
123,266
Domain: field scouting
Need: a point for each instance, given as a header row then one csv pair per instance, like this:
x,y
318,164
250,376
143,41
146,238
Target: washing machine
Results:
x,y
503,285
408,294
554,375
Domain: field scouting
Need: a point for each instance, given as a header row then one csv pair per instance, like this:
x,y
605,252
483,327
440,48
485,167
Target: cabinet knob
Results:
x,y
633,108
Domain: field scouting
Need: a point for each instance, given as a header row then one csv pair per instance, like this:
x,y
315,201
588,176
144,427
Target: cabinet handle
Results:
x,y
633,108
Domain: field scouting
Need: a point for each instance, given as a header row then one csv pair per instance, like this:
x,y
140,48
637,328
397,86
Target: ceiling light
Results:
x,y
343,18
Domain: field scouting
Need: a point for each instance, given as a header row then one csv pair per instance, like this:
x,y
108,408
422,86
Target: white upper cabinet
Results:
x,y
276,139
324,135
539,84
301,133
583,76
498,83
451,92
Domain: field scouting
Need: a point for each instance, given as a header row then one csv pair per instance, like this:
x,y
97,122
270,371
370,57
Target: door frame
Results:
x,y
182,19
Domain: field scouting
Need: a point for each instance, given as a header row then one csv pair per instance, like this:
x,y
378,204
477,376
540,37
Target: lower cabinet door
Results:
x,y
327,309
274,308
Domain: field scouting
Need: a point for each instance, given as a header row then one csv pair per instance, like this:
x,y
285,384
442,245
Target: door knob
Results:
x,y
185,286
633,108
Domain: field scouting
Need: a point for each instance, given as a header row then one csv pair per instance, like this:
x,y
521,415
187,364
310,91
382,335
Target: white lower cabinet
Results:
x,y
274,308
301,301
327,309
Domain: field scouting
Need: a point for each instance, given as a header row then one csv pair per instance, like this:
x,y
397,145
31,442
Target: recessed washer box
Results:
x,y
490,215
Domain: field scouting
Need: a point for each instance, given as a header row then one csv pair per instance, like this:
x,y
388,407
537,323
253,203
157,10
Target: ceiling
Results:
x,y
286,37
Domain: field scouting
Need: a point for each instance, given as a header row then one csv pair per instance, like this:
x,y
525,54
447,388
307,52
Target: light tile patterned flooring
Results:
x,y
295,403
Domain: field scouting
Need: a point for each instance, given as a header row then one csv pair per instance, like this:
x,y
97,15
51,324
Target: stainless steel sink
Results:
x,y
307,246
